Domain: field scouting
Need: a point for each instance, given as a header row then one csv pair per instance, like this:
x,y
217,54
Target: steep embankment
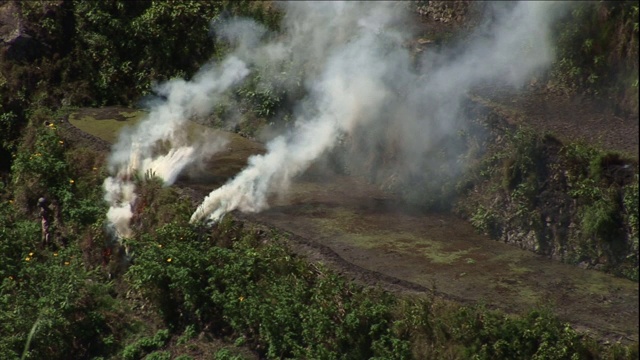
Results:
x,y
548,185
365,234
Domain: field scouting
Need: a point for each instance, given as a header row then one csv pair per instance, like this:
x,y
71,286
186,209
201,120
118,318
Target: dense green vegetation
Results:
x,y
228,292
183,287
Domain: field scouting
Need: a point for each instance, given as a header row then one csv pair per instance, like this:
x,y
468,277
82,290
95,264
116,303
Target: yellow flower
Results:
x,y
30,254
10,201
10,277
241,298
61,142
27,258
71,181
169,260
95,168
160,246
66,263
55,254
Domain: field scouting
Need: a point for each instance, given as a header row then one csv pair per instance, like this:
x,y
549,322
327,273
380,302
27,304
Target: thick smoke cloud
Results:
x,y
363,83
160,144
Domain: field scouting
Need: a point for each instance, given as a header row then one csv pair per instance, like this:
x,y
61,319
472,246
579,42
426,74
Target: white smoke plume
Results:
x,y
159,144
361,81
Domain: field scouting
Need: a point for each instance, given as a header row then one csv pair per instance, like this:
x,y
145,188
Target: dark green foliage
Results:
x,y
597,52
525,166
52,293
123,43
9,128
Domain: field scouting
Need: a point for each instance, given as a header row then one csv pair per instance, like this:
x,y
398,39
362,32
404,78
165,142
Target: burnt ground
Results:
x,y
366,235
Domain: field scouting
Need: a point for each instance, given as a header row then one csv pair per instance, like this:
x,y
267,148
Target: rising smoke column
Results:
x,y
360,77
159,144
349,90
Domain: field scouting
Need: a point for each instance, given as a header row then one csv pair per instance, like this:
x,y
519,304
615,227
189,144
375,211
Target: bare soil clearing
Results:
x,y
351,224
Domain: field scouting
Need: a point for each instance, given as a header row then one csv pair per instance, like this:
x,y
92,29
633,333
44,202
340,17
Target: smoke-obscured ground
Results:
x,y
369,232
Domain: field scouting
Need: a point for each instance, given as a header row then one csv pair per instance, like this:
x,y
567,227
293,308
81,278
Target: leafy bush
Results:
x,y
538,335
55,296
602,219
145,345
261,293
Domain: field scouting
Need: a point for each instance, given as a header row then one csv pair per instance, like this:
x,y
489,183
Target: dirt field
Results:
x,y
365,235
569,119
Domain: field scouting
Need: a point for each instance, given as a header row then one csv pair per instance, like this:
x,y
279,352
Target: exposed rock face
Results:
x,y
15,43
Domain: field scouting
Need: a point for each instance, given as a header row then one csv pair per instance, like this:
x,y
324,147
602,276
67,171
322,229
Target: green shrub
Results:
x,y
146,345
602,219
225,354
64,301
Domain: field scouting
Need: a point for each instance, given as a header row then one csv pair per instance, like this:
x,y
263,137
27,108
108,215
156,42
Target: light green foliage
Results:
x,y
485,221
601,218
538,335
142,346
225,354
260,292
601,201
46,168
43,165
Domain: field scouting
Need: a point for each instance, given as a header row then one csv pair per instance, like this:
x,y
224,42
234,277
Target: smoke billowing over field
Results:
x,y
362,83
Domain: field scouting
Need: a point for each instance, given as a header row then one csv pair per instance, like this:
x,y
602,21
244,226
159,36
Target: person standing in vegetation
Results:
x,y
46,222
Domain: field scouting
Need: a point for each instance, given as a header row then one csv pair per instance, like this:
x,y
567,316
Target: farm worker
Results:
x,y
44,215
